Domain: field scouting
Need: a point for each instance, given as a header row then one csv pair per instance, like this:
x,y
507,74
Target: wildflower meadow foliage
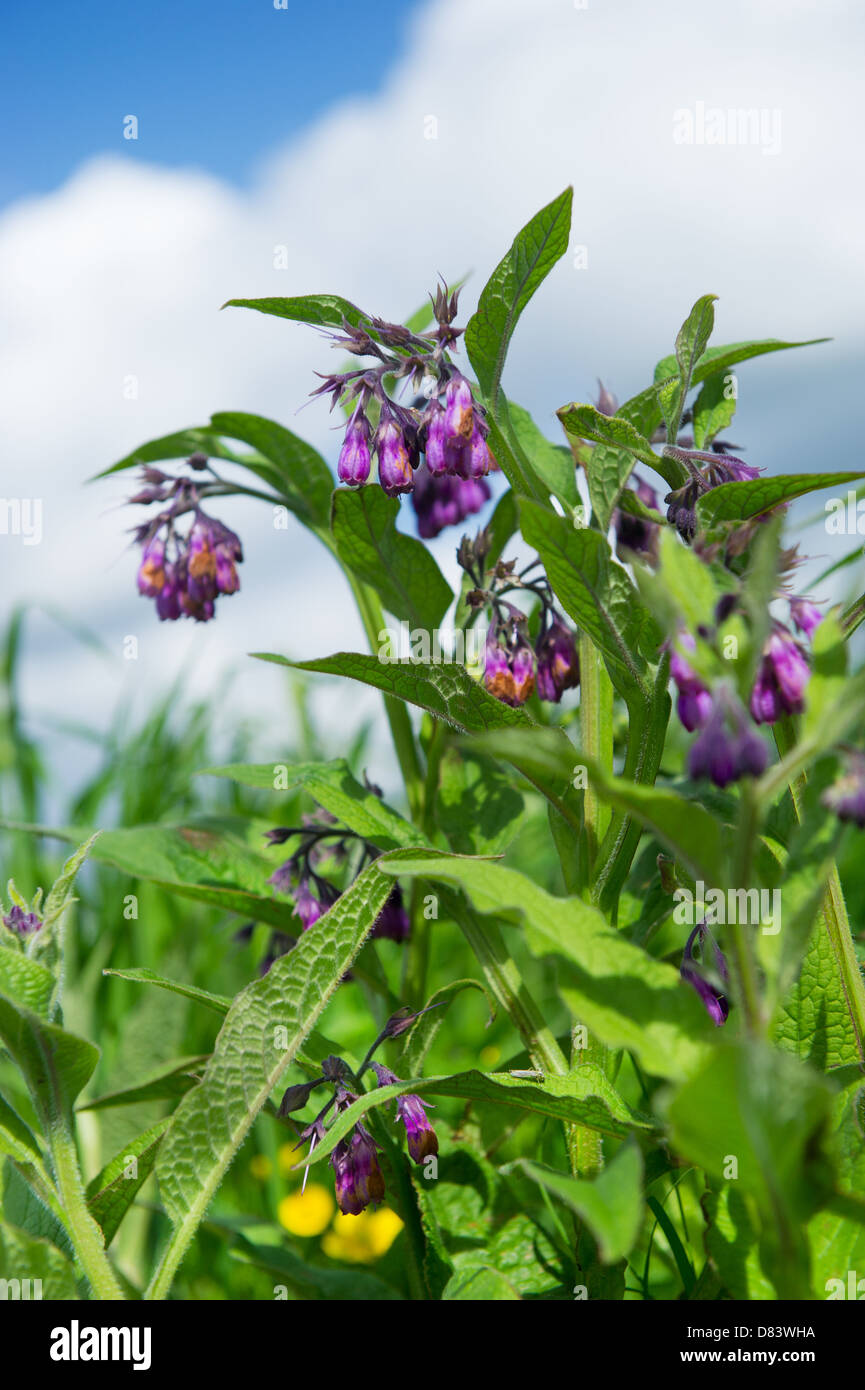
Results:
x,y
658,709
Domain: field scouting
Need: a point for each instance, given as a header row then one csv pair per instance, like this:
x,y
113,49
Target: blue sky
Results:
x,y
307,131
215,83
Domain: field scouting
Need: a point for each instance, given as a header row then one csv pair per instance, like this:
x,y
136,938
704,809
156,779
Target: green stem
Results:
x,y
418,947
596,739
833,909
741,946
372,617
86,1235
506,984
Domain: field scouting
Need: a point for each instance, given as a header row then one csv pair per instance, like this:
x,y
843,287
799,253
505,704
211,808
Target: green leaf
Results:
x,y
304,479
27,982
618,447
767,1111
611,1205
733,1244
113,1190
477,808
335,788
181,444
741,501
263,1030
445,690
204,859
837,1244
624,996
532,256
482,1284
714,409
17,1140
690,346
219,1003
598,595
400,569
553,463
583,1097
421,1036
167,1082
55,1064
23,1257
319,310
644,410
47,944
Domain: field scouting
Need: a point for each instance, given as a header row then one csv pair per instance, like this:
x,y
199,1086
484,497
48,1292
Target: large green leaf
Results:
x,y
837,1243
400,569
304,479
206,859
320,310
17,1140
741,501
55,1064
334,786
263,1030
167,1082
27,981
445,690
113,1190
532,256
583,1097
618,446
624,996
611,1205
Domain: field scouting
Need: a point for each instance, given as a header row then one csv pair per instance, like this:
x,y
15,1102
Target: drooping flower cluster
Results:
x,y
727,747
707,470
321,837
358,1178
184,573
447,425
514,666
711,981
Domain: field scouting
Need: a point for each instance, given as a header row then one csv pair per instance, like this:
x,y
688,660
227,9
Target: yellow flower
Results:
x,y
362,1238
308,1213
490,1055
260,1167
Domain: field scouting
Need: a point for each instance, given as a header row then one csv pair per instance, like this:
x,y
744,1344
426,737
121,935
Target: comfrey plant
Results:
x,y
678,1114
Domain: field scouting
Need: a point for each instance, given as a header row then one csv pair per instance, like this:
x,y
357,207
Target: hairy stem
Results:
x,y
86,1235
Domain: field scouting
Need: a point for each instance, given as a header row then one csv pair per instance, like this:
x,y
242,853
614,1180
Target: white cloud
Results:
x,y
121,273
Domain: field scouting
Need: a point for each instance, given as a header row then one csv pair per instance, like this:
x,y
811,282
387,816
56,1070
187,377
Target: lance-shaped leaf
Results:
x,y
320,310
532,256
179,445
583,1097
266,1025
304,479
46,945
620,446
334,786
205,859
27,982
55,1064
620,993
399,568
113,1190
644,409
690,346
695,836
743,500
445,690
218,1003
611,1204
17,1140
553,463
167,1082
